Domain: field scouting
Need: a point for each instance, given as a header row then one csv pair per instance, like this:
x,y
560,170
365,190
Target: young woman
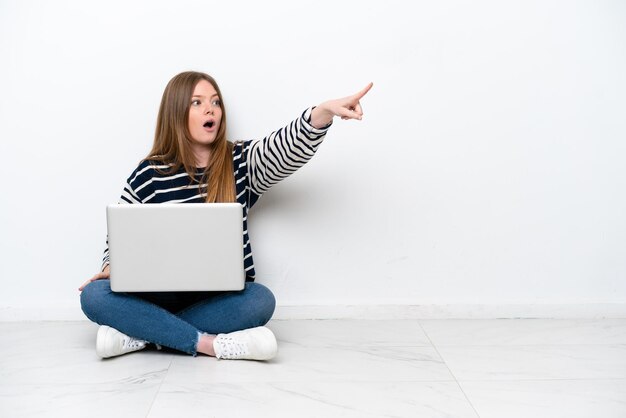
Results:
x,y
191,161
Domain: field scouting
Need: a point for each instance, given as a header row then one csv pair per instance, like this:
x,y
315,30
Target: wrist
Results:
x,y
321,117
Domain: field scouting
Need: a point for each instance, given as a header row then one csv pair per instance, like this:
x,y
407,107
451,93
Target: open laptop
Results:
x,y
176,247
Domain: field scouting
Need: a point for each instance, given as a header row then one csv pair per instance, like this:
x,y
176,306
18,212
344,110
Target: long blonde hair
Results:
x,y
172,138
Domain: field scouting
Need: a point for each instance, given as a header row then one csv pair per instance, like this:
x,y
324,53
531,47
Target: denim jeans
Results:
x,y
176,319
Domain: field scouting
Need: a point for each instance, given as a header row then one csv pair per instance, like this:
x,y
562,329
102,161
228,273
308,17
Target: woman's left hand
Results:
x,y
347,108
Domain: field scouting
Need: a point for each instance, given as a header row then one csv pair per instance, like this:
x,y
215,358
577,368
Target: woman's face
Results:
x,y
205,114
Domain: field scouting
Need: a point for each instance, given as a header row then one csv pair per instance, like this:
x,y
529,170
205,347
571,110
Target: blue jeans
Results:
x,y
176,319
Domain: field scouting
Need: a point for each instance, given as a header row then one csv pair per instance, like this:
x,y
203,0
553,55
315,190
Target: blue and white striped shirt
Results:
x,y
257,165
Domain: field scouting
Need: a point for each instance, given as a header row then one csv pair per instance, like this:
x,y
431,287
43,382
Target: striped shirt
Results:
x,y
257,165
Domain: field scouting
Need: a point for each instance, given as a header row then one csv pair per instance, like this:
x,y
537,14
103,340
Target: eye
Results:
x,y
195,102
216,102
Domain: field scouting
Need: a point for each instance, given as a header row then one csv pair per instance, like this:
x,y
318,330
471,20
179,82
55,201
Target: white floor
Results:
x,y
339,368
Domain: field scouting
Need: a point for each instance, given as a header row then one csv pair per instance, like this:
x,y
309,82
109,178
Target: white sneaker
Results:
x,y
250,344
110,342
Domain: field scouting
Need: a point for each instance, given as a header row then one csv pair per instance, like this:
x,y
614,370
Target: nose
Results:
x,y
211,105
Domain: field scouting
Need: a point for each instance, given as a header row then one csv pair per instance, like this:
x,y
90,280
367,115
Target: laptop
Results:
x,y
170,247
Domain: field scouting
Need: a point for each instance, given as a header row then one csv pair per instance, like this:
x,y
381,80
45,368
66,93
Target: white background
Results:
x,y
489,167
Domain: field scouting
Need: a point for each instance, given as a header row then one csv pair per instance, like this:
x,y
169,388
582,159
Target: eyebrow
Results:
x,y
199,95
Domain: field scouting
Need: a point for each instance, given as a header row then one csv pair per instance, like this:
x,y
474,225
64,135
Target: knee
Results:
x,y
91,298
265,301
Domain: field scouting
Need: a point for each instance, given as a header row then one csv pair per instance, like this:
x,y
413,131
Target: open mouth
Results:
x,y
209,124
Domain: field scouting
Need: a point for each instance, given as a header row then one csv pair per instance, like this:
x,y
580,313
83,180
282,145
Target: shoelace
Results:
x,y
133,343
230,348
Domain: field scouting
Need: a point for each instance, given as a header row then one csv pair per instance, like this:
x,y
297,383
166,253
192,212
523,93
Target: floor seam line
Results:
x,y
160,385
449,370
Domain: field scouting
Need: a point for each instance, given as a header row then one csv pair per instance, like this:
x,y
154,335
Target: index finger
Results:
x,y
364,91
85,284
